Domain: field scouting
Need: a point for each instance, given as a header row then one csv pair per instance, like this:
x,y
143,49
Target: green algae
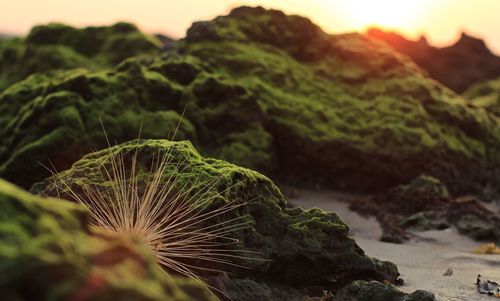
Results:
x,y
47,253
485,95
60,47
425,185
347,112
346,96
294,247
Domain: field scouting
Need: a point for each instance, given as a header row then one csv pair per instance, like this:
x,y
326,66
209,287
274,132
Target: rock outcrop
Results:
x,y
57,47
299,252
346,111
374,291
458,66
425,204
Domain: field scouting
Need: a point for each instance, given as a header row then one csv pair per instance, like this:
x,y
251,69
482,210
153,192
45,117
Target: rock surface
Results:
x,y
304,251
458,66
58,47
47,253
376,291
425,204
345,111
420,221
485,95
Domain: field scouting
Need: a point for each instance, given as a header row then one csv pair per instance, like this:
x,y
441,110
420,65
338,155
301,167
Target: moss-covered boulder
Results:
x,y
58,46
421,221
345,111
69,115
298,250
407,206
473,219
47,253
425,204
421,194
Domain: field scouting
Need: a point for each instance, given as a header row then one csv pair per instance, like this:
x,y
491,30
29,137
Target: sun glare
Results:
x,y
382,13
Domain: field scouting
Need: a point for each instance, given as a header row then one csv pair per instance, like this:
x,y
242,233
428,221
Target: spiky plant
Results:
x,y
173,220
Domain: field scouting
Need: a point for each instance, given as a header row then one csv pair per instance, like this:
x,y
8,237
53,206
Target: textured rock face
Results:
x,y
485,95
421,194
58,47
403,207
345,111
425,204
375,291
46,253
422,222
458,66
304,250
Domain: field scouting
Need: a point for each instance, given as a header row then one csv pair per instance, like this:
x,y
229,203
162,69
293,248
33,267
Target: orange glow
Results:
x,y
440,20
384,13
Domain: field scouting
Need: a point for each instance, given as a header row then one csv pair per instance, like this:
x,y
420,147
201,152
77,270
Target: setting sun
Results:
x,y
383,13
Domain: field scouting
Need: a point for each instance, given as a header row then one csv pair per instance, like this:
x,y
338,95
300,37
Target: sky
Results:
x,y
441,21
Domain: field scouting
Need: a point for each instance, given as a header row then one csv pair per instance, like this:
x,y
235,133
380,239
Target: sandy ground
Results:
x,y
421,261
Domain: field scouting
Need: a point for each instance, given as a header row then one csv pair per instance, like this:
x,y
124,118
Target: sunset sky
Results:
x,y
440,20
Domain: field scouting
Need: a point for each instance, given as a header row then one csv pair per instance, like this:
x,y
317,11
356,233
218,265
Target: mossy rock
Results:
x,y
71,108
485,95
346,111
58,47
425,204
418,206
307,250
421,221
426,185
47,253
479,228
70,112
376,291
423,193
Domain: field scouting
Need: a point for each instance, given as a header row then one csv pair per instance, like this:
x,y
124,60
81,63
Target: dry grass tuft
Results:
x,y
185,237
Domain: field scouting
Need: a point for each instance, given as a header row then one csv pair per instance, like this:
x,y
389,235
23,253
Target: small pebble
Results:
x,y
448,272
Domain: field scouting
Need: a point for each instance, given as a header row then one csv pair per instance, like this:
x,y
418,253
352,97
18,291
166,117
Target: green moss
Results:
x,y
294,247
485,95
47,253
347,111
314,226
18,60
248,148
59,47
426,185
346,96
